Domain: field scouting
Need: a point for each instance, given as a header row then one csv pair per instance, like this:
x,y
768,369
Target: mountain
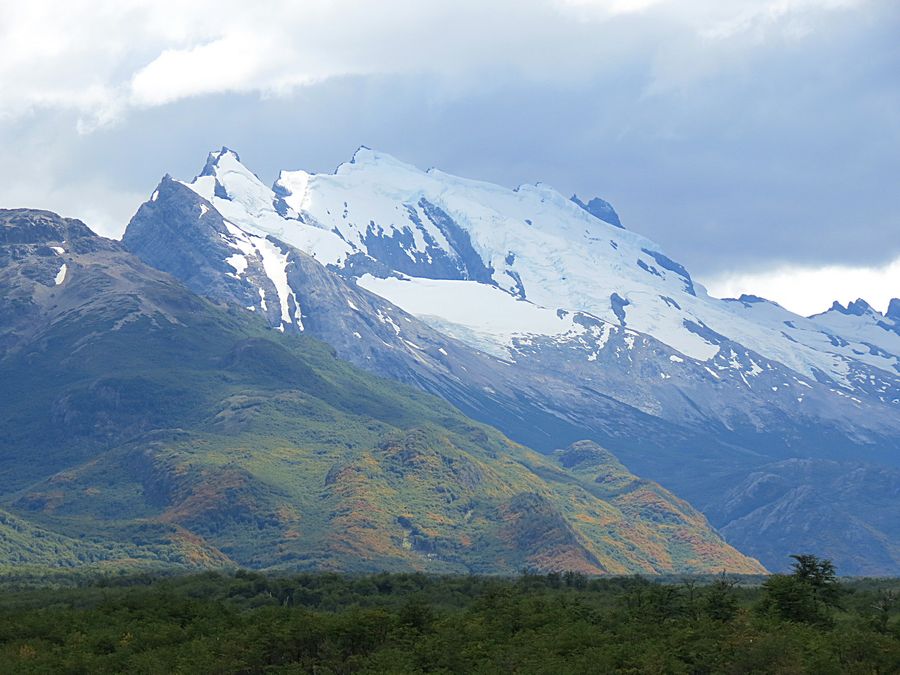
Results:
x,y
849,508
538,314
857,333
144,425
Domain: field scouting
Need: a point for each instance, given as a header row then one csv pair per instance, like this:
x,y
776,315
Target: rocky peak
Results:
x,y
33,226
893,311
215,157
858,307
600,208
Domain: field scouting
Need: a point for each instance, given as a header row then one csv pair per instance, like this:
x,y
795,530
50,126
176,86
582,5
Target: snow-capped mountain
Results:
x,y
534,313
182,233
857,333
142,426
409,235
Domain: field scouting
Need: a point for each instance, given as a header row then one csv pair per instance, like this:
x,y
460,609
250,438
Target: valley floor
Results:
x,y
248,622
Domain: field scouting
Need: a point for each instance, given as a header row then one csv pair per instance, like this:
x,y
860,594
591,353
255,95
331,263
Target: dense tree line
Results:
x,y
804,622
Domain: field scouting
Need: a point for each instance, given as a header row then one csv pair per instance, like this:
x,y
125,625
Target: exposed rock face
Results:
x,y
894,310
600,208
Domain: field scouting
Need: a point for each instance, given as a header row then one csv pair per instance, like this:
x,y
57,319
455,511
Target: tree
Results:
x,y
720,602
821,577
807,595
884,603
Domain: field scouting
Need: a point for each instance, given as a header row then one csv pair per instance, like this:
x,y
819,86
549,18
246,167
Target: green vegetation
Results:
x,y
248,622
143,427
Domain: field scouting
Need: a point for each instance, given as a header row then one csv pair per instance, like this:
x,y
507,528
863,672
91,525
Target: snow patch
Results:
x,y
275,265
754,369
473,312
238,262
386,319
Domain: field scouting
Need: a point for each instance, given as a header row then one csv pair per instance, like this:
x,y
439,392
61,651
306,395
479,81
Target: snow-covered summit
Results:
x,y
245,201
463,255
224,155
856,332
858,307
366,156
532,243
874,330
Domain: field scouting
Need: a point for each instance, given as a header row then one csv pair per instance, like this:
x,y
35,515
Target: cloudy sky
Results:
x,y
758,141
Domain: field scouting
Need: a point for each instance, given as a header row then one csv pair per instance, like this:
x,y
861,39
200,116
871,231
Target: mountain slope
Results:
x,y
850,509
537,314
148,425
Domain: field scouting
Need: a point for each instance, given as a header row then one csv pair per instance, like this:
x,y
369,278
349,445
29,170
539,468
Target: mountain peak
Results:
x,y
364,156
35,226
215,157
893,311
600,208
226,177
858,307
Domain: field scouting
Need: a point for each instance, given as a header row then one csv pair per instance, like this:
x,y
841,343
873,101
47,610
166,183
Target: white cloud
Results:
x,y
100,57
518,88
222,65
613,7
809,290
791,15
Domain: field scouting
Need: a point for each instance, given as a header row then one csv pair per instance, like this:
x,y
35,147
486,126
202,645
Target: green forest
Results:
x,y
808,621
